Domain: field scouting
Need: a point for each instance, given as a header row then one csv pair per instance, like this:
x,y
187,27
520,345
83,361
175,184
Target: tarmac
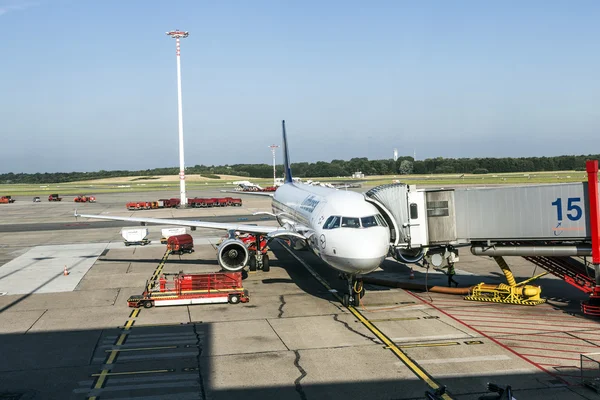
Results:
x,y
74,337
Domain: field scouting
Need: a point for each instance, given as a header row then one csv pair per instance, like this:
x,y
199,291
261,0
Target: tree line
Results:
x,y
336,168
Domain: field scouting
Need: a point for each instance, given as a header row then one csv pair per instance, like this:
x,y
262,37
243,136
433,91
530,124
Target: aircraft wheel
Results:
x,y
265,260
362,293
252,263
346,300
234,299
356,299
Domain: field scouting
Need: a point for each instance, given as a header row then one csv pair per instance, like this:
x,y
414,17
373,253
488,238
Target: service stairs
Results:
x,y
569,269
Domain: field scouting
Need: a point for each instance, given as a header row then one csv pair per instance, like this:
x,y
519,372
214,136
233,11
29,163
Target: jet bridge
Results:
x,y
548,225
532,216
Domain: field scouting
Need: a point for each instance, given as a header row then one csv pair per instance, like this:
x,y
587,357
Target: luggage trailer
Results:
x,y
187,289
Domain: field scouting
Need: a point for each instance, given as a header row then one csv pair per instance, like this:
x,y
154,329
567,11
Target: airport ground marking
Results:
x,y
521,356
142,349
112,357
150,371
389,344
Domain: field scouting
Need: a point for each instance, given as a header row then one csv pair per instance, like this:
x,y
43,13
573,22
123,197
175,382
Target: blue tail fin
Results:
x,y
286,157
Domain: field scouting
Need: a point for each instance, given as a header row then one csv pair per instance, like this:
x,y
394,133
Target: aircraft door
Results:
x,y
417,219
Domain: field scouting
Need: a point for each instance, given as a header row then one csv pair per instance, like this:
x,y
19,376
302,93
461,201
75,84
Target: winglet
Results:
x,y
286,157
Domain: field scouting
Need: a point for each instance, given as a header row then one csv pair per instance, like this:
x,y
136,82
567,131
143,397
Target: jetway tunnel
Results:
x,y
554,226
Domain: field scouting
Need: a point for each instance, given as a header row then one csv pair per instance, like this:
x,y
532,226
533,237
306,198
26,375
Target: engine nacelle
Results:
x,y
232,255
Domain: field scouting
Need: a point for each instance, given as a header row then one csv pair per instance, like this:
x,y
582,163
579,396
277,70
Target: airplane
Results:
x,y
340,227
247,185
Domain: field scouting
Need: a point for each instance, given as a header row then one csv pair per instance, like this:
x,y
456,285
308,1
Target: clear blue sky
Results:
x,y
89,85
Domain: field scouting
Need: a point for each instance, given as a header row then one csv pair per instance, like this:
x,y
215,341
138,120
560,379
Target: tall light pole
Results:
x,y
273,147
178,35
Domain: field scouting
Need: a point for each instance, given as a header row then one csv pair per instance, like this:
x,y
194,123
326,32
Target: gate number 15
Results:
x,y
573,210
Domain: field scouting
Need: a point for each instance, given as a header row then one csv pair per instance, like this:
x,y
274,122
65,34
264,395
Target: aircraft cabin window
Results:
x,y
332,222
368,222
350,222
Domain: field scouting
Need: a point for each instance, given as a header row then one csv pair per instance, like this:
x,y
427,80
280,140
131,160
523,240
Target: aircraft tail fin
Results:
x,y
286,157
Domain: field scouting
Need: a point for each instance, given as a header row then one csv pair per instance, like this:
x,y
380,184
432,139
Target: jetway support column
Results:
x,y
592,306
591,167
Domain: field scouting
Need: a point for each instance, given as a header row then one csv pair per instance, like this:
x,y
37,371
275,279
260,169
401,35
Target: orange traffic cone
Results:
x,y
65,271
412,274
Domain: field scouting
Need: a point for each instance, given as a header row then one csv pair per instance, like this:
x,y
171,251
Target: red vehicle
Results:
x,y
180,244
84,199
169,203
222,202
186,289
236,202
6,200
54,197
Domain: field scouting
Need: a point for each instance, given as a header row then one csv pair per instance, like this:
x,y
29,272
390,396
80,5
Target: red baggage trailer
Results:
x,y
186,289
180,244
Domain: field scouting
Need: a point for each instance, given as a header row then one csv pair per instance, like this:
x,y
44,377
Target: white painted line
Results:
x,y
435,337
464,359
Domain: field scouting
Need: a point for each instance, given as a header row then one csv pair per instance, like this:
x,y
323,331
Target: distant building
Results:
x,y
358,175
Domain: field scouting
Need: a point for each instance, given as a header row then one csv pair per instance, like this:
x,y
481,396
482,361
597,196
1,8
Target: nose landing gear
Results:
x,y
355,291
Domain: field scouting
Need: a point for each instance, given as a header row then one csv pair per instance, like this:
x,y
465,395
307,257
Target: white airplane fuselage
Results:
x,y
355,243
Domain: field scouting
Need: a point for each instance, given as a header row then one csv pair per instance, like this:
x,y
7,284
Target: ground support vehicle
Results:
x,y
54,197
169,203
180,244
6,200
36,199
186,289
135,236
168,232
84,199
236,202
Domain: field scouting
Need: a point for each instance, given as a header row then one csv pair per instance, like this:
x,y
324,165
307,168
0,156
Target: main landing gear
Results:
x,y
355,291
257,247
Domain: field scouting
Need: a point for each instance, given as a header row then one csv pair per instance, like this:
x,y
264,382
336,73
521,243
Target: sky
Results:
x,y
90,85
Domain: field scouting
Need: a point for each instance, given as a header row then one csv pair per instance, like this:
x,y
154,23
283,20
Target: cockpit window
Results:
x,y
369,221
350,222
332,222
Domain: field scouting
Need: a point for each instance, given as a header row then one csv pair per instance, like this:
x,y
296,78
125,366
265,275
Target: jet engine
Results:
x,y
232,255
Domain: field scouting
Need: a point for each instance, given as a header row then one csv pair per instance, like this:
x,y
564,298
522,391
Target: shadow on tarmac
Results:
x,y
187,361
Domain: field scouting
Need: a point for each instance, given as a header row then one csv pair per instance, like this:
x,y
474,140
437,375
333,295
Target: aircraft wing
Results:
x,y
270,194
265,230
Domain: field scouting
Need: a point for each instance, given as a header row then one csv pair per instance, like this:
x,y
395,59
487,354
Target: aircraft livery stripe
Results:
x,y
410,363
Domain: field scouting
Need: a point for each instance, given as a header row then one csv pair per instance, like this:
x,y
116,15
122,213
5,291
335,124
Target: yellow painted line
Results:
x,y
121,340
101,379
142,348
112,357
134,313
473,342
412,365
152,371
129,324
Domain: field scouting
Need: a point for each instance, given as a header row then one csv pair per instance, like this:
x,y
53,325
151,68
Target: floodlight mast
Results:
x,y
176,34
273,147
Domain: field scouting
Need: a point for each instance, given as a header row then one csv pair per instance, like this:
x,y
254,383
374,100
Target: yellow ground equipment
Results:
x,y
511,293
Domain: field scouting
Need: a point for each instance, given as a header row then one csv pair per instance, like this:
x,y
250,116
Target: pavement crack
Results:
x,y
297,383
282,300
335,318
